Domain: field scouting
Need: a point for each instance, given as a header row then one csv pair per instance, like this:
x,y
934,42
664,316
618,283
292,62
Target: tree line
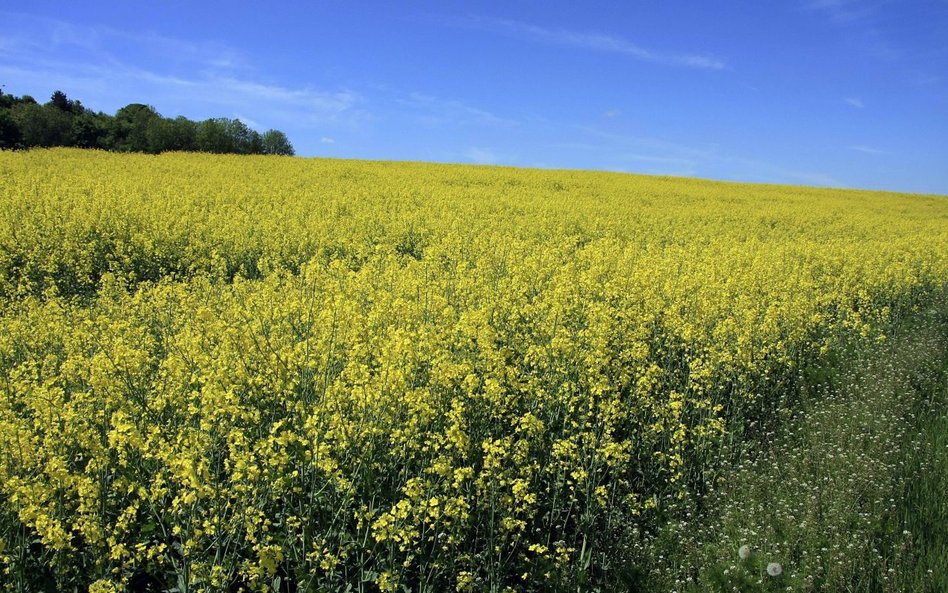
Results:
x,y
25,123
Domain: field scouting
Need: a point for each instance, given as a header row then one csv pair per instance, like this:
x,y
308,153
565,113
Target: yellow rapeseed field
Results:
x,y
253,373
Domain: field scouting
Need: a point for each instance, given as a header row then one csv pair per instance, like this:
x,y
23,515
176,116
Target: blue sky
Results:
x,y
850,93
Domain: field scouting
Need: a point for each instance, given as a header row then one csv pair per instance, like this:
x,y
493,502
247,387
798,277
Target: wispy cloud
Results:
x,y
327,140
436,111
612,113
647,145
103,67
904,35
865,24
844,11
251,123
593,42
925,78
866,149
854,102
659,156
481,156
30,35
658,165
661,160
746,169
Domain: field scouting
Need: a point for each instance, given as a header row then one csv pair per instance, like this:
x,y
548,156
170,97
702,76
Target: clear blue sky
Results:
x,y
824,92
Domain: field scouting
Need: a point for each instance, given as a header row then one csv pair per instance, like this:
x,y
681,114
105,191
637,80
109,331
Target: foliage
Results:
x,y
222,373
134,128
276,142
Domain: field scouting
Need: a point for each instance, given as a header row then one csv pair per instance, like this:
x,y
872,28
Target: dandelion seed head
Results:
x,y
774,569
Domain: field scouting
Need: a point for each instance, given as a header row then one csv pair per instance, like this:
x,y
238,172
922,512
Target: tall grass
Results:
x,y
846,493
923,513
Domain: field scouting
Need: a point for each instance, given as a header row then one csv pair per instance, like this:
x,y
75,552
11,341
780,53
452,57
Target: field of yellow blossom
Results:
x,y
225,373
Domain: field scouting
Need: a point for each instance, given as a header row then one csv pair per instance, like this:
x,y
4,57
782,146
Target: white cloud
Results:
x,y
925,78
854,102
251,123
195,79
434,111
592,41
327,140
868,26
844,11
481,156
612,113
657,160
867,149
657,156
650,145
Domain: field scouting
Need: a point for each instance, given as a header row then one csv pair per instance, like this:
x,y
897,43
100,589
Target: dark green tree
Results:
x,y
136,127
213,136
61,102
171,134
6,100
276,142
9,132
130,127
42,125
91,130
241,136
256,142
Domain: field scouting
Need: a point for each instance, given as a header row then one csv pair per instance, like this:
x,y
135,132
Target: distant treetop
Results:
x,y
24,123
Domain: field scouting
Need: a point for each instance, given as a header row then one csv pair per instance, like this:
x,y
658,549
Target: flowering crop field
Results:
x,y
224,373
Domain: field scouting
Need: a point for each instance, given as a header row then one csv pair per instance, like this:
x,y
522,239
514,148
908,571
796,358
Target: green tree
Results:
x,y
212,136
134,128
171,134
6,100
276,142
91,130
42,125
9,132
130,127
60,101
241,136
256,142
